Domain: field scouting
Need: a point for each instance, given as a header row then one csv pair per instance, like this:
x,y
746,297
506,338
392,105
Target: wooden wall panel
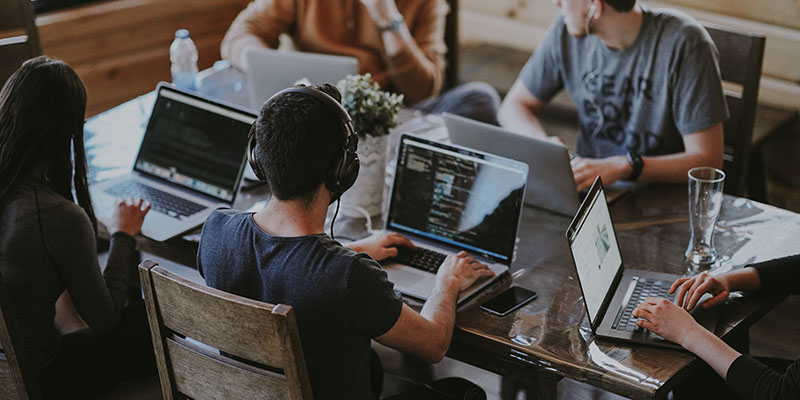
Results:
x,y
121,48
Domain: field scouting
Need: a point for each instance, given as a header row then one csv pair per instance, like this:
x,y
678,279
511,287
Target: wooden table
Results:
x,y
550,337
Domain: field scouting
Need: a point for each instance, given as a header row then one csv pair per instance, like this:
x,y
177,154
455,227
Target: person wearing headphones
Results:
x,y
646,85
48,245
303,146
748,376
400,42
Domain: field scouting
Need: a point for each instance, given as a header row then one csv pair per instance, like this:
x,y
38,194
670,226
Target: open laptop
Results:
x,y
190,162
447,199
551,184
610,291
270,71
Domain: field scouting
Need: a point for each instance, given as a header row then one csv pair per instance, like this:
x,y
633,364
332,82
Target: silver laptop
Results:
x,y
610,291
190,162
447,199
270,71
551,184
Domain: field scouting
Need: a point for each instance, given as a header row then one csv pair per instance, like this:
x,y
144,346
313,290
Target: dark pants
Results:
x,y
474,100
89,364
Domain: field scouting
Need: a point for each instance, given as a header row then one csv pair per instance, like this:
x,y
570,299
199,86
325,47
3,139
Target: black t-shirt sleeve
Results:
x,y
373,304
754,380
780,274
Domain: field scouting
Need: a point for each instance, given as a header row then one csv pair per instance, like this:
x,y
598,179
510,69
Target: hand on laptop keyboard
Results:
x,y
382,245
666,319
461,271
128,216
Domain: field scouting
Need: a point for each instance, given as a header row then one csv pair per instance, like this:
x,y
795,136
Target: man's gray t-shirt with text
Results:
x,y
641,99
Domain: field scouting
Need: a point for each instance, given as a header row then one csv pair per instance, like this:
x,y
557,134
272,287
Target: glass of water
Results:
x,y
705,200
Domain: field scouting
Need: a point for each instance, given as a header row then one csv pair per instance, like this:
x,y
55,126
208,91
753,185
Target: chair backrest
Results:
x,y
19,38
451,70
210,344
741,56
16,379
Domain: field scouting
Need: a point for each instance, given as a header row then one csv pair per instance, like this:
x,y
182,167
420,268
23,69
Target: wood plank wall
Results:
x,y
523,23
120,48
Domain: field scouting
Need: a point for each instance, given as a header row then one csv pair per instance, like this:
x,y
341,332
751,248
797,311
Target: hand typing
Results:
x,y
381,246
461,271
128,216
610,169
691,289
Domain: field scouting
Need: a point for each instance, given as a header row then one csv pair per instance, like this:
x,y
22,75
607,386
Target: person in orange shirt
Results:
x,y
400,42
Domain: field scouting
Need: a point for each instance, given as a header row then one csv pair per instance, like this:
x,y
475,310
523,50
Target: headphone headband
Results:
x,y
344,171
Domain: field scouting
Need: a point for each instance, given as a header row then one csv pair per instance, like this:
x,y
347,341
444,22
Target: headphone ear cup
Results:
x,y
344,174
252,156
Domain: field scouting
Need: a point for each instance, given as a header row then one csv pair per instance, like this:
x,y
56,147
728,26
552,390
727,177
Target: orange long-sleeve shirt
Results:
x,y
344,27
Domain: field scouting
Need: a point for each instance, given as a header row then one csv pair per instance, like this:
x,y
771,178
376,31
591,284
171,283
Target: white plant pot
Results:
x,y
367,192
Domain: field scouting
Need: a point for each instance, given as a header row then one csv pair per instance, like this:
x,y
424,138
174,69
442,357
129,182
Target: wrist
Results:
x,y
635,166
694,337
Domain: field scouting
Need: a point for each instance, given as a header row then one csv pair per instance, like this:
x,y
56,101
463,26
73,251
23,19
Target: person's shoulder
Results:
x,y
681,27
225,216
58,212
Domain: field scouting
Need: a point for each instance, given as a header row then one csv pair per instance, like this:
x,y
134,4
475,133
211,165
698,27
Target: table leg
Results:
x,y
546,386
543,386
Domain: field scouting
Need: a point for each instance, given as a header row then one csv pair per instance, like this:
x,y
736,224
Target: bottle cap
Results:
x,y
181,34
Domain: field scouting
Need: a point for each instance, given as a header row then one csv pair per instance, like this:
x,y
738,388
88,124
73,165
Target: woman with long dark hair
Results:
x,y
48,242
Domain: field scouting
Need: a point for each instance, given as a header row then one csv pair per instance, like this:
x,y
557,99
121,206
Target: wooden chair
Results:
x,y
451,71
19,38
740,59
248,349
17,381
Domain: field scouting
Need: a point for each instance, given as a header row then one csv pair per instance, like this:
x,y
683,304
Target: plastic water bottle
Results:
x,y
183,55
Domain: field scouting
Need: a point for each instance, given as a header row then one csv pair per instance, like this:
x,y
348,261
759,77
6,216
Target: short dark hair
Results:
x,y
299,138
621,5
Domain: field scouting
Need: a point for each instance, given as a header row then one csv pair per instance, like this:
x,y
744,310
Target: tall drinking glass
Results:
x,y
705,200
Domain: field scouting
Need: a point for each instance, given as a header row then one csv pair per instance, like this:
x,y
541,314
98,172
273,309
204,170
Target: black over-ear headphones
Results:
x,y
344,171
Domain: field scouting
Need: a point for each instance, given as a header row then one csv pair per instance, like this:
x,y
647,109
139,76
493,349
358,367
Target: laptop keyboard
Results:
x,y
644,288
424,259
160,201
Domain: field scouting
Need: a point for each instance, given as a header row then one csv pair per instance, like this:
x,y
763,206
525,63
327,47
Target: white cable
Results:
x,y
363,212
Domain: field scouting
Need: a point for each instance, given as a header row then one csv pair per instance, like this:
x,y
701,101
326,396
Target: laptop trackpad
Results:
x,y
404,278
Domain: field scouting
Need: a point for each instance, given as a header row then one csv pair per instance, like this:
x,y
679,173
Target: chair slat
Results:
x,y
218,319
198,376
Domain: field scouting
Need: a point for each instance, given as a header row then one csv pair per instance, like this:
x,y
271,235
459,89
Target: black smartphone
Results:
x,y
508,301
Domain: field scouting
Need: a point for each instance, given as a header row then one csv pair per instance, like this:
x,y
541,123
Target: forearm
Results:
x,y
257,26
711,349
674,168
410,70
780,274
520,119
440,311
745,279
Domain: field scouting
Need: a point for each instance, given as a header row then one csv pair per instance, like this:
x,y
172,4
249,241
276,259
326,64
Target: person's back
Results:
x,y
48,255
29,272
341,298
303,145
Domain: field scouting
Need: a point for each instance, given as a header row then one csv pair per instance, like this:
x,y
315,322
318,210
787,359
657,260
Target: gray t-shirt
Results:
x,y
641,99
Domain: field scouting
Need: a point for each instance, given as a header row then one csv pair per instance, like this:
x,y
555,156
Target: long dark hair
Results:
x,y
42,106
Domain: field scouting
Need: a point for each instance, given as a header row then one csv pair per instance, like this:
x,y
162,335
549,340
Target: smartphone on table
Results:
x,y
508,301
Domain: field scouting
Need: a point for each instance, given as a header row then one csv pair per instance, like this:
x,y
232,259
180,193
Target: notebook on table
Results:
x,y
189,163
448,199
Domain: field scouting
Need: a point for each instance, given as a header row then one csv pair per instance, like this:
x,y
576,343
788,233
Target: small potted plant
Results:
x,y
374,113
